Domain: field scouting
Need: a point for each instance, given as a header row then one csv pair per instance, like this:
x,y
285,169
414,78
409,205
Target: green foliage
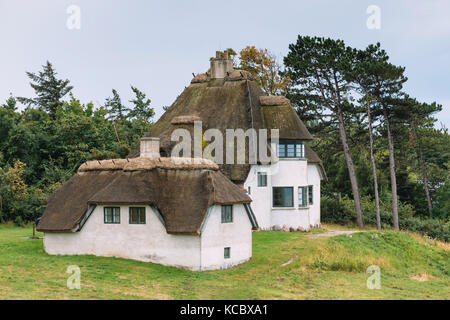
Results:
x,y
40,148
49,90
340,211
321,268
441,208
116,110
141,107
431,227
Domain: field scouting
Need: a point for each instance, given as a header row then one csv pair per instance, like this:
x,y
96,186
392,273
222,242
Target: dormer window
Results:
x,y
291,149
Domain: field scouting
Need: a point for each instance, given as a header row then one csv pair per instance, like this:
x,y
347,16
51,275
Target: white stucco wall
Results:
x,y
236,235
151,243
285,173
314,180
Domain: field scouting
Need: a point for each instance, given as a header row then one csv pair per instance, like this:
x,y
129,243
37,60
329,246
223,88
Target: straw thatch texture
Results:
x,y
183,197
312,157
136,164
285,119
237,75
201,77
273,100
185,119
67,206
223,104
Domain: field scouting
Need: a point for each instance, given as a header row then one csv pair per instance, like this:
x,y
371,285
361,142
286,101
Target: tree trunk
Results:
x,y
351,170
374,169
392,171
424,172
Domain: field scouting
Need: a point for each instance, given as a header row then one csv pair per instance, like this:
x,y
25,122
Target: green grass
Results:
x,y
323,268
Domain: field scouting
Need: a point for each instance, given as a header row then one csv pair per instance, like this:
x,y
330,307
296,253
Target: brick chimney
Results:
x,y
221,65
149,147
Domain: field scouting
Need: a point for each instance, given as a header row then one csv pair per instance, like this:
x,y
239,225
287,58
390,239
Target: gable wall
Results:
x,y
217,235
314,180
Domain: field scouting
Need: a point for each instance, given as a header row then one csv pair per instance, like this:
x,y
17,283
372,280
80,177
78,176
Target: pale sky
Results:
x,y
157,45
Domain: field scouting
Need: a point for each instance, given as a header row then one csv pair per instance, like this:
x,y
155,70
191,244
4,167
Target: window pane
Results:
x,y
226,252
137,215
281,151
299,150
141,215
302,196
310,195
227,213
111,214
262,179
291,150
283,197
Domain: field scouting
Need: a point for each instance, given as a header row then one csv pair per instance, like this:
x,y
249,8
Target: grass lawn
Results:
x,y
412,267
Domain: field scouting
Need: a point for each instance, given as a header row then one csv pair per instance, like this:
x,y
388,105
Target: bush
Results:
x,y
434,228
342,211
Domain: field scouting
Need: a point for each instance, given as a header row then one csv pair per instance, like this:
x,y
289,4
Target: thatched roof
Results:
x,y
314,158
229,103
137,164
182,190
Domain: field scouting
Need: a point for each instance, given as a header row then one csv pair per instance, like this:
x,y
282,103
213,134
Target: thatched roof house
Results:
x,y
181,201
224,98
236,101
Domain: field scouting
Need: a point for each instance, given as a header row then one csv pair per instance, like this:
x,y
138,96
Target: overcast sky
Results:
x,y
157,45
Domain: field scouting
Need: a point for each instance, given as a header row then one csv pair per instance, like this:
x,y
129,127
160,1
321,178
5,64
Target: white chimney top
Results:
x,y
221,65
149,147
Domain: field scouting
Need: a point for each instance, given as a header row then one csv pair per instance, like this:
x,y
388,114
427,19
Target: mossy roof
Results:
x,y
224,104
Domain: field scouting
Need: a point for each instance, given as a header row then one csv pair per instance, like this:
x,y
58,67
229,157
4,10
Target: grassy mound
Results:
x,y
283,266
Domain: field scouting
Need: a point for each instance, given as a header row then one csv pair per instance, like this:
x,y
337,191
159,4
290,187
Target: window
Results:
x,y
310,195
249,190
262,179
227,253
290,149
302,196
227,214
137,215
283,196
111,215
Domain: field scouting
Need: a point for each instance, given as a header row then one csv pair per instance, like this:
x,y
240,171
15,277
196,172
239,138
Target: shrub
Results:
x,y
434,228
342,211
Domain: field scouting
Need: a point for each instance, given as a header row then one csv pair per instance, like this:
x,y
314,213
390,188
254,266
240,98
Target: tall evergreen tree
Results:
x,y
116,110
48,88
387,81
318,69
141,107
420,117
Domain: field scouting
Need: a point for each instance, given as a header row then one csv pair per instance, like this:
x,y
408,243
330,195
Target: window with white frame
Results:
x,y
291,149
227,252
227,213
302,193
262,179
111,215
283,196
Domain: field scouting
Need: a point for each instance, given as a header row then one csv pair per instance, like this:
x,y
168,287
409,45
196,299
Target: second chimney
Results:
x,y
149,147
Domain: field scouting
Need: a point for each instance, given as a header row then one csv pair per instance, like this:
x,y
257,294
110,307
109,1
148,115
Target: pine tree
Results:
x,y
48,88
142,107
116,110
386,84
318,69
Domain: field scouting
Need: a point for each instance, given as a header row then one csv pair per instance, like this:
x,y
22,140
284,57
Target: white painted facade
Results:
x,y
151,243
292,172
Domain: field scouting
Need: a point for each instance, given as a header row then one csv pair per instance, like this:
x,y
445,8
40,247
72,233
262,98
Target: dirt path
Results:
x,y
333,233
